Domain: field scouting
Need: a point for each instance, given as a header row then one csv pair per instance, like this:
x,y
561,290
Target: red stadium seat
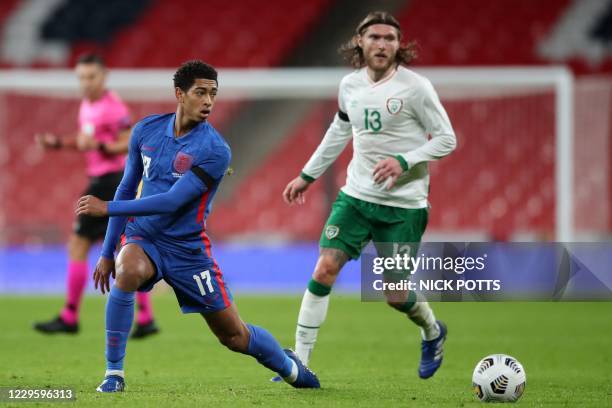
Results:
x,y
223,33
477,32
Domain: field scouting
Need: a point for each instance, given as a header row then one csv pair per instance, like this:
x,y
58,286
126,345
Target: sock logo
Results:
x,y
331,231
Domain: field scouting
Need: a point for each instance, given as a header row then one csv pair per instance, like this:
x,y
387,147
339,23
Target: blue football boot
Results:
x,y
306,378
112,383
432,352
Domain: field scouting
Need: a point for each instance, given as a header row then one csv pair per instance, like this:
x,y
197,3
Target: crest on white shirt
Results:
x,y
394,105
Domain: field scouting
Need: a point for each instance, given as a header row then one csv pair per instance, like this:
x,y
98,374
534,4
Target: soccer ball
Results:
x,y
499,378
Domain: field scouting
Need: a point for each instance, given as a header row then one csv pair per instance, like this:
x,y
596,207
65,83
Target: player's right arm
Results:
x,y
81,141
54,142
335,140
126,191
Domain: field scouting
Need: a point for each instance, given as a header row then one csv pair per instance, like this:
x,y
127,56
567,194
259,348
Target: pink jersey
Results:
x,y
103,120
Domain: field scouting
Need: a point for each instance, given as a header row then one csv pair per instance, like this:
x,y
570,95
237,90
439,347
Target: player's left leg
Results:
x,y
407,226
433,332
134,268
257,342
78,246
104,188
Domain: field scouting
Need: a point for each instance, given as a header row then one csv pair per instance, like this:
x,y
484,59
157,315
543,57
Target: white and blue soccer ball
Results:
x,y
499,378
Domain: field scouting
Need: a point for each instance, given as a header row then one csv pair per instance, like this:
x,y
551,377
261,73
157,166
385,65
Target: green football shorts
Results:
x,y
353,223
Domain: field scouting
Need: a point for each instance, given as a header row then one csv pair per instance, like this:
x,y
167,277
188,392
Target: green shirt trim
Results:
x,y
306,177
403,162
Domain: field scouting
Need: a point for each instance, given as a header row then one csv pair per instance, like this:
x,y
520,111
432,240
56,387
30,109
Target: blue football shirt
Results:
x,y
202,156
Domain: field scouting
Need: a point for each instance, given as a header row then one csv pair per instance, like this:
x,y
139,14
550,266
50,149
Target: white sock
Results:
x,y
312,315
422,315
120,373
294,373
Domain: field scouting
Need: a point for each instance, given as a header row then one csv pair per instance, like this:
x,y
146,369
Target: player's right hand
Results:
x,y
294,192
47,140
105,268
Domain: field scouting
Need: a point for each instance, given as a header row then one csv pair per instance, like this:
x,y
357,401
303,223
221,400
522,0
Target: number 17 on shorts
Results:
x,y
204,282
202,292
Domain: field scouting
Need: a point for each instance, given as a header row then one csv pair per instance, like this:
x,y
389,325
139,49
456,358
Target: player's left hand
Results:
x,y
90,205
387,170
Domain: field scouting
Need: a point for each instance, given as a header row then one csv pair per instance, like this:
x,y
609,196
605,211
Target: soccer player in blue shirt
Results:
x,y
181,160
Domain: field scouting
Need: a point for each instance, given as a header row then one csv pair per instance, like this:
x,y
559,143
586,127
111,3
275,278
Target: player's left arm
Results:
x,y
430,112
436,123
193,184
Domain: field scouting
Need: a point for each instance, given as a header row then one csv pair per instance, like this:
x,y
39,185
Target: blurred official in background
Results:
x,y
103,136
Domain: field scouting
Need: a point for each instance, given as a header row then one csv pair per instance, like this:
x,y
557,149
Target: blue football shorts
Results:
x,y
192,273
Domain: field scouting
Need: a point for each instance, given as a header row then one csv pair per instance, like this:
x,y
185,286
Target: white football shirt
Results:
x,y
398,115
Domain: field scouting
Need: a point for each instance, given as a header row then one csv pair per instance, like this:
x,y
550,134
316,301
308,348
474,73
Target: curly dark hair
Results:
x,y
189,71
352,52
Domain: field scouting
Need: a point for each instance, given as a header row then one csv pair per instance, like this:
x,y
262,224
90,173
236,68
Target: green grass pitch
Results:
x,y
367,355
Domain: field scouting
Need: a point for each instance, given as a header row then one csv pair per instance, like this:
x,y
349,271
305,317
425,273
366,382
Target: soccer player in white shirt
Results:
x,y
398,125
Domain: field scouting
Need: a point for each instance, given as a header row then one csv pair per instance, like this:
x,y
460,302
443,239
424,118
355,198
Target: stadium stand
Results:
x,y
37,213
505,32
496,200
473,185
43,186
6,7
256,208
165,33
226,32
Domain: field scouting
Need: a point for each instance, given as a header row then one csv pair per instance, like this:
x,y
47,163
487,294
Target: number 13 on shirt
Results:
x,y
372,120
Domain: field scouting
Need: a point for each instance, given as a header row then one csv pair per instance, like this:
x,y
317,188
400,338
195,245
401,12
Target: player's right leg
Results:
x,y
315,302
79,244
134,268
342,239
199,287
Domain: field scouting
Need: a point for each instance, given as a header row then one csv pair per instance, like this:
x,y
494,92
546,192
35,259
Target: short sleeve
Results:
x,y
212,167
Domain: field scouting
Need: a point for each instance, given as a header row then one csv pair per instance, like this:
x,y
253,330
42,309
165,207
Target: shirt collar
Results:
x,y
185,138
382,80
